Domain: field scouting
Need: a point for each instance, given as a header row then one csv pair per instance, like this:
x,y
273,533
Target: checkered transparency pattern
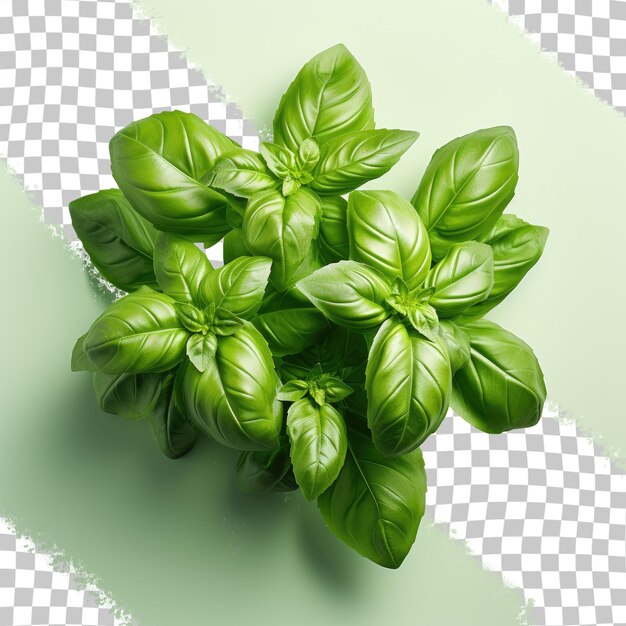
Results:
x,y
72,73
543,507
33,592
588,38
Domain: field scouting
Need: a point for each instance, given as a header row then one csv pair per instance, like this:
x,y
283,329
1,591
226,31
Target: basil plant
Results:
x,y
344,322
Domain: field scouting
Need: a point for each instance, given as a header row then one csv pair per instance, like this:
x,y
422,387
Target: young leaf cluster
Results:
x,y
344,322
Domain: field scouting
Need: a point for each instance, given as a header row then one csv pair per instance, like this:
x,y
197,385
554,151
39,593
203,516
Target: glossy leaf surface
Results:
x,y
241,172
457,344
180,267
333,240
234,399
387,234
119,242
318,445
349,293
158,163
348,161
467,185
462,278
138,333
282,229
330,96
408,383
502,387
377,502
261,472
238,286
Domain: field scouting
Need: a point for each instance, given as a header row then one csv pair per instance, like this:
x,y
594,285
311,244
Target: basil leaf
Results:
x,y
238,286
348,293
336,390
180,267
240,172
173,433
424,320
330,96
318,445
293,390
457,344
234,246
266,472
290,186
226,323
281,229
408,383
376,504
462,278
516,247
348,161
80,360
201,350
158,163
281,161
308,155
289,325
190,317
234,399
131,396
119,242
138,333
386,233
502,387
333,240
467,185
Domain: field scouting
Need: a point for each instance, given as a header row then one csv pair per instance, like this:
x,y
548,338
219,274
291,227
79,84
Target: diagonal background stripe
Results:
x,y
542,506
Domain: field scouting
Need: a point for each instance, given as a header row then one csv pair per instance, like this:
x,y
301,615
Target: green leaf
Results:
x,y
376,504
201,350
119,242
318,445
290,186
281,161
80,360
240,172
333,240
424,320
467,185
349,293
238,286
318,394
234,246
516,247
457,344
336,390
502,387
226,323
131,396
282,229
293,390
180,267
308,155
289,325
191,317
386,233
348,161
173,433
158,163
408,382
138,333
266,471
462,278
330,96
234,399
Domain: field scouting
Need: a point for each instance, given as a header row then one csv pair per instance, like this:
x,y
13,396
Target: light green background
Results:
x,y
173,541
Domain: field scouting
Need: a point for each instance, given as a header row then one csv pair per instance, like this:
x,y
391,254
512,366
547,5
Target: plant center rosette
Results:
x,y
343,323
